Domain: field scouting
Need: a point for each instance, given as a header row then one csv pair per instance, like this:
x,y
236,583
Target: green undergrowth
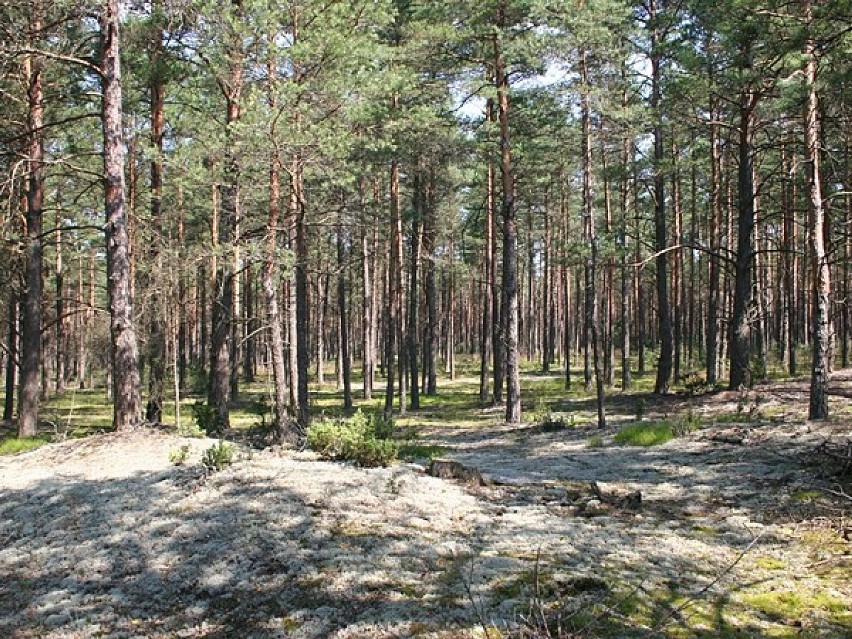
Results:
x,y
10,445
654,433
364,439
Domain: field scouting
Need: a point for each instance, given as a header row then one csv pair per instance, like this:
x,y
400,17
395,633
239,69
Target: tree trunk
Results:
x,y
626,208
740,348
510,243
664,366
430,343
344,321
156,358
394,267
486,344
11,358
31,341
715,245
590,233
222,334
368,359
821,278
412,336
125,354
302,325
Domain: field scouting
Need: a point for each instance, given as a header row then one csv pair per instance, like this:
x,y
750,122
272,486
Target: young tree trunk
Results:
x,y
821,278
60,328
31,341
430,343
626,208
282,426
677,262
715,245
394,266
125,354
302,325
413,332
344,320
510,243
486,338
368,360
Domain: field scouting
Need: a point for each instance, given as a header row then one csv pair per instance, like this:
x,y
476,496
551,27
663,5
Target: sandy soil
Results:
x,y
105,537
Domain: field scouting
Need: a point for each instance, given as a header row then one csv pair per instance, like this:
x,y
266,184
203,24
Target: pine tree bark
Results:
x,y
821,277
31,339
486,338
592,305
510,243
345,361
125,353
11,357
740,333
222,333
413,332
664,364
430,343
283,428
156,356
302,325
368,360
391,310
715,244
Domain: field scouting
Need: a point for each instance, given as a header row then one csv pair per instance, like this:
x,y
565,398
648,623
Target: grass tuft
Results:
x,y
645,434
15,445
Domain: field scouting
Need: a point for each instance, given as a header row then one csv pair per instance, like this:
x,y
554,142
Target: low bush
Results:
x,y
178,456
205,418
364,439
218,456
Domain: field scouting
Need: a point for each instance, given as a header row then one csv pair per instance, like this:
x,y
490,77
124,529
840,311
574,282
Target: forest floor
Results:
x,y
739,527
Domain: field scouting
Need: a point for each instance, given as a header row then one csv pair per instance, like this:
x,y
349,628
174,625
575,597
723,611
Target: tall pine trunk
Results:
x,y
510,243
740,333
821,277
156,356
31,341
125,353
664,365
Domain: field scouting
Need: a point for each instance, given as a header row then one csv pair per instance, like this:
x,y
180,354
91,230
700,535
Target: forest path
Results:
x,y
104,537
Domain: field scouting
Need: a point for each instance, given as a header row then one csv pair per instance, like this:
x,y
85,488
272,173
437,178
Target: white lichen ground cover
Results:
x,y
104,537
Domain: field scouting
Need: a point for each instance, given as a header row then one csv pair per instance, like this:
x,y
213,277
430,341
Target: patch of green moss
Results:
x,y
770,563
700,529
806,495
781,605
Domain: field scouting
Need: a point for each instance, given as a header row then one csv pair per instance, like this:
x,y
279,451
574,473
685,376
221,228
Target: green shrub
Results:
x,y
686,424
177,456
218,456
205,417
364,439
